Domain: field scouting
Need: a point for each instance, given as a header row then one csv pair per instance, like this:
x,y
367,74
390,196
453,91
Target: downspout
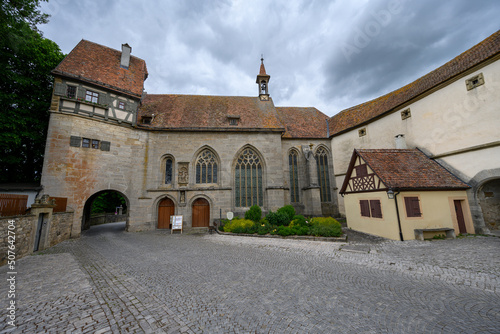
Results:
x,y
397,214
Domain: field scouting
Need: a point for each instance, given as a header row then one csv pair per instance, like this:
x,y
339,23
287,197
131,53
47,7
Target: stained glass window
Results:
x,y
293,158
248,180
323,174
168,171
206,167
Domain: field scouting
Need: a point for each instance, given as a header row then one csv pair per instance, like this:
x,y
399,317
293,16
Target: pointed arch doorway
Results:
x,y
201,213
166,208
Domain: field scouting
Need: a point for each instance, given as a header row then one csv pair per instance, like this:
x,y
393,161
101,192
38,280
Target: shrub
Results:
x,y
263,229
277,218
238,225
254,214
289,211
299,220
325,227
285,231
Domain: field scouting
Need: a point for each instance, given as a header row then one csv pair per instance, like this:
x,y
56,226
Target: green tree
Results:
x,y
26,60
108,202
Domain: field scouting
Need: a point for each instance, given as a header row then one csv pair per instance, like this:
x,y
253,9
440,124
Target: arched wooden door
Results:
x,y
166,209
201,213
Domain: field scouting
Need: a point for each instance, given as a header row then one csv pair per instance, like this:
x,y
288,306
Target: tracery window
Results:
x,y
323,174
293,158
248,179
206,167
168,170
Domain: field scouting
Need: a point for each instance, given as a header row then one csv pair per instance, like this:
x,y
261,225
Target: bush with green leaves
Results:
x,y
238,225
299,220
277,218
289,211
254,214
264,228
325,227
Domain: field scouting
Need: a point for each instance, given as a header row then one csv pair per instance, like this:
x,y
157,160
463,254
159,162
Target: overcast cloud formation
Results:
x,y
330,55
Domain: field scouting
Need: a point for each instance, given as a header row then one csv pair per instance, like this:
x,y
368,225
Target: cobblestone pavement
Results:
x,y
110,281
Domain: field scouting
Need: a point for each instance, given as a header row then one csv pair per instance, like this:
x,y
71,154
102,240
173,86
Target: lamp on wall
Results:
x,y
390,194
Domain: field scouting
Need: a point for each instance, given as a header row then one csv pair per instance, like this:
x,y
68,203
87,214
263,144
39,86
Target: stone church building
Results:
x,y
203,156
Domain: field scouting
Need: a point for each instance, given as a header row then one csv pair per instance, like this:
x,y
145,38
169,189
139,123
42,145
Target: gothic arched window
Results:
x,y
206,167
168,170
248,179
323,174
293,158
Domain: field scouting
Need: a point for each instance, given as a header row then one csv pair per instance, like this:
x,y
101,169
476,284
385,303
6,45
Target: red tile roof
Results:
x,y
100,65
303,122
406,169
356,116
201,112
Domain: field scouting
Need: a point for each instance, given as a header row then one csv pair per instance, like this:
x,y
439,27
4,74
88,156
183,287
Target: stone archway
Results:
x,y
87,209
488,197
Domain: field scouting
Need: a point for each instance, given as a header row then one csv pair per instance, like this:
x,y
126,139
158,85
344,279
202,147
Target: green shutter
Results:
x,y
80,93
75,141
105,145
103,99
60,89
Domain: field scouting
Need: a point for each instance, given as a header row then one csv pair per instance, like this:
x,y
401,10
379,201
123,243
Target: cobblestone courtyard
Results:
x,y
110,281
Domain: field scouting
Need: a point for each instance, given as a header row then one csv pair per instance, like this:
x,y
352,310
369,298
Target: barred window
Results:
x,y
293,158
71,92
206,167
248,180
323,174
168,170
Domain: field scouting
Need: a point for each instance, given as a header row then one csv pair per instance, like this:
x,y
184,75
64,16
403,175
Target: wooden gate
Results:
x,y
201,213
460,216
166,209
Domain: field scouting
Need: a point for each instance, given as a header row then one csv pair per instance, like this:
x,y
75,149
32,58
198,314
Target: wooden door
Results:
x,y
460,216
201,213
165,210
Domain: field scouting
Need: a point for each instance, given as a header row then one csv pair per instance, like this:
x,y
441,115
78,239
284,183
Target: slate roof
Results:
x,y
100,65
303,122
203,112
357,115
406,169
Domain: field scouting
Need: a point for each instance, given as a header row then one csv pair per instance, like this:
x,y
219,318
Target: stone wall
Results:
x,y
59,225
107,218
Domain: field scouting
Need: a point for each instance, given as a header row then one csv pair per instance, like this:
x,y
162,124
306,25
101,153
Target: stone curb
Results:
x,y
294,237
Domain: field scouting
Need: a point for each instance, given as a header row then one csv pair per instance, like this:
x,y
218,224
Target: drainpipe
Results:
x,y
397,214
392,195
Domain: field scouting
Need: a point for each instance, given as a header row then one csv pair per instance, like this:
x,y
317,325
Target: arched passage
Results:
x,y
103,207
201,213
489,200
166,208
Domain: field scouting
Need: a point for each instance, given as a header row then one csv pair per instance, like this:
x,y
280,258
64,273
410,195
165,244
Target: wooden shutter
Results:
x,y
80,93
103,99
365,208
60,89
105,145
75,141
376,208
412,207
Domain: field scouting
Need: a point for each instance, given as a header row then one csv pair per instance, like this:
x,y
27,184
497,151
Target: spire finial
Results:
x,y
262,58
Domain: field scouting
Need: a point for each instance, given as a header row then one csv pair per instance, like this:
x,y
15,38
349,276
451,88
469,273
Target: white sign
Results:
x,y
230,215
176,222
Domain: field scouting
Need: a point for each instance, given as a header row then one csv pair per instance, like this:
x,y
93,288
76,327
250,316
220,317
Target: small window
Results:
x,y
475,81
168,170
233,120
412,205
146,119
71,92
95,143
75,141
85,142
91,96
406,114
362,132
121,105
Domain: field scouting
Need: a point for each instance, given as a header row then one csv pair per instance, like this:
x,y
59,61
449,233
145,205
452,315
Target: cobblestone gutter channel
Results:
x,y
155,282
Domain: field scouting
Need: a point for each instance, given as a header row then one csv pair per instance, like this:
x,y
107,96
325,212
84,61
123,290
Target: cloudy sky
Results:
x,y
330,55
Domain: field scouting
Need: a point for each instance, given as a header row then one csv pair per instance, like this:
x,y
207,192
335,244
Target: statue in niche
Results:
x,y
312,171
183,175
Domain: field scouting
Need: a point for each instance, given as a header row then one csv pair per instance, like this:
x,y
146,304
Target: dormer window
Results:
x,y
233,120
121,105
146,119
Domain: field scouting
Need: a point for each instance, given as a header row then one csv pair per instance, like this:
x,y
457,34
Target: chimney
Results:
x,y
125,61
400,141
